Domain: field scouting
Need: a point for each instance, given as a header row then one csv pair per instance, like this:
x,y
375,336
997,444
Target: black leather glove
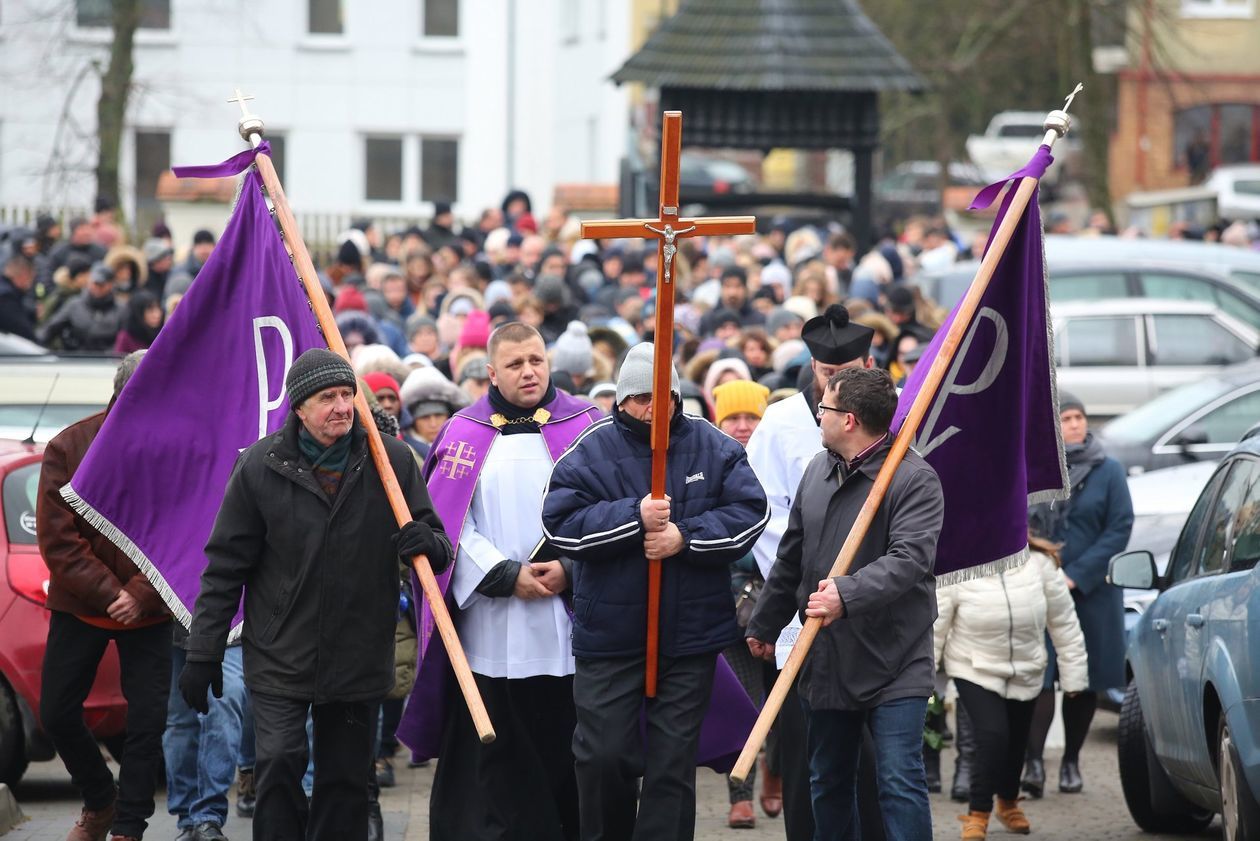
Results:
x,y
197,679
416,538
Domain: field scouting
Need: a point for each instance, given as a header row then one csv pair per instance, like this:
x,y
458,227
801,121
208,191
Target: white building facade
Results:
x,y
378,108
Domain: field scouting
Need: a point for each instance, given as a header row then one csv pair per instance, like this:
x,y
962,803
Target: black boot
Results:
x,y
932,767
1034,780
1070,781
960,790
376,824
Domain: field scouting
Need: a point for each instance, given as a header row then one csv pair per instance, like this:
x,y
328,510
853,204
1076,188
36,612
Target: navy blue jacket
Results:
x,y
591,514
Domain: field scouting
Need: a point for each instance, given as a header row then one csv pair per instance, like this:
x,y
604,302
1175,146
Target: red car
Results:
x,y
24,629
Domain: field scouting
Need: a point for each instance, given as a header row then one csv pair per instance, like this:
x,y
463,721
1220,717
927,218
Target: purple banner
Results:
x,y
211,385
992,432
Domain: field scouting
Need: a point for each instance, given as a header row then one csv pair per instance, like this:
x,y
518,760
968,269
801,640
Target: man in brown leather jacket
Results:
x,y
96,594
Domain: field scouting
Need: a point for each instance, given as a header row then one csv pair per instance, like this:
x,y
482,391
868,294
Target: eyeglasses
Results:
x,y
640,399
838,410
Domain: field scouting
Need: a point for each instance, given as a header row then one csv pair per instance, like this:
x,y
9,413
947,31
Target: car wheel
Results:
x,y
1240,816
1138,767
12,738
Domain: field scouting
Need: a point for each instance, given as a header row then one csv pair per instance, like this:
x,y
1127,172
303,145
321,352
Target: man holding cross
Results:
x,y
599,512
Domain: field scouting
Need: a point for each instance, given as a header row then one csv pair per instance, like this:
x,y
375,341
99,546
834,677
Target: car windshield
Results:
x,y
1148,420
19,504
1247,188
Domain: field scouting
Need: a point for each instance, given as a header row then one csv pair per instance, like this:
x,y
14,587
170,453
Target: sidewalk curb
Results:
x,y
10,812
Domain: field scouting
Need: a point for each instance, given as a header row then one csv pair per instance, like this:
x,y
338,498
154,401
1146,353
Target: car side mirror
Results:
x,y
1188,437
1133,569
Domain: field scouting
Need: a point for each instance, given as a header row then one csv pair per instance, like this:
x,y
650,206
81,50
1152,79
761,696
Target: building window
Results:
x,y
153,157
154,14
383,163
1235,9
277,141
324,17
570,22
1206,136
440,18
439,169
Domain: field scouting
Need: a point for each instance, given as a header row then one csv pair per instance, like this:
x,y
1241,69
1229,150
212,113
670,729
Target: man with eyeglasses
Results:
x,y
871,666
780,449
598,512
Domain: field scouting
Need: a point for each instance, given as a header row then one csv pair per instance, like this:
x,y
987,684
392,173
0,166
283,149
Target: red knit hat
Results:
x,y
378,380
350,299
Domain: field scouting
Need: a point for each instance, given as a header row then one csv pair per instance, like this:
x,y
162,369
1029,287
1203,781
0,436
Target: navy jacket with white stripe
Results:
x,y
591,514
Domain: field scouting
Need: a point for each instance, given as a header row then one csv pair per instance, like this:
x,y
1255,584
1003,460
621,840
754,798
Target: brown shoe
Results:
x,y
1013,817
975,826
771,791
742,815
92,825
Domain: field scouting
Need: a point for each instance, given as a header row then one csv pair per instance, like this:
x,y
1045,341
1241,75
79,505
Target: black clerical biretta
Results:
x,y
834,340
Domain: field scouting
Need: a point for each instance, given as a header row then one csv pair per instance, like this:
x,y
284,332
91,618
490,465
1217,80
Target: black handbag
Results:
x,y
746,601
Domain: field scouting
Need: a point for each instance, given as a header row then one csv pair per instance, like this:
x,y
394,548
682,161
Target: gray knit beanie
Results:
x,y
636,374
315,370
572,353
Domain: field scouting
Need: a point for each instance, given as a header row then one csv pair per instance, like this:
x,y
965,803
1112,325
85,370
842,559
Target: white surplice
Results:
x,y
507,636
780,449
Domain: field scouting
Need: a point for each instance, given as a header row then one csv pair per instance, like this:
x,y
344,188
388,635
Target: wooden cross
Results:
x,y
666,229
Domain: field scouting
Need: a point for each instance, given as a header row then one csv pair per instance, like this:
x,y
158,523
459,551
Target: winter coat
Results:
x,y
591,514
880,650
320,575
85,323
86,570
16,314
992,630
1096,528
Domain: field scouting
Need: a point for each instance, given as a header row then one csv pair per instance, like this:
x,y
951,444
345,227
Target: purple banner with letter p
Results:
x,y
992,431
211,385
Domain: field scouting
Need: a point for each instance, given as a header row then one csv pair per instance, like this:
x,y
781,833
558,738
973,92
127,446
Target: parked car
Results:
x,y
12,344
700,174
1237,191
24,632
1189,731
915,187
1117,354
1010,140
1097,279
1198,421
42,396
1162,500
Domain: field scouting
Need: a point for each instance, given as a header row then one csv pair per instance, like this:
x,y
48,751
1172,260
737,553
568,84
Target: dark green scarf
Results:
x,y
328,463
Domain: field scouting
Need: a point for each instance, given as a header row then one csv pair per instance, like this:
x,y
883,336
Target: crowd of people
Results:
x,y
516,333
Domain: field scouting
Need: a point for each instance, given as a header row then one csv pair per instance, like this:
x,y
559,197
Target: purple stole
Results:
x,y
452,469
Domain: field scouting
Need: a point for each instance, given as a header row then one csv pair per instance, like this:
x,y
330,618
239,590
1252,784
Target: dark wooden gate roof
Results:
x,y
772,73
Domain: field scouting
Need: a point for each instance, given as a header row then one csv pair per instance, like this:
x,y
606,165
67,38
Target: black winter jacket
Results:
x,y
320,576
591,514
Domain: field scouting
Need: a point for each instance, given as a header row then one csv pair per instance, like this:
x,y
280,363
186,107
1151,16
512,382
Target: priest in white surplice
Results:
x,y
785,441
490,467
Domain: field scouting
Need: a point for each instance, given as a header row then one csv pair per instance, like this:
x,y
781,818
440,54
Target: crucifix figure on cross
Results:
x,y
665,229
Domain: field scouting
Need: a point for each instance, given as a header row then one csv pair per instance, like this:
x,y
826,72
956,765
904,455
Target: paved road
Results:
x,y
1097,814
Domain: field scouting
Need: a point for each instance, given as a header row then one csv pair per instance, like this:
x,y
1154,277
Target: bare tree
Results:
x,y
111,108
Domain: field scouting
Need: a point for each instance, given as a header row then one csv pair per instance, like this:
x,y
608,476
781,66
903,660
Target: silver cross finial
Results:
x,y
1072,96
240,99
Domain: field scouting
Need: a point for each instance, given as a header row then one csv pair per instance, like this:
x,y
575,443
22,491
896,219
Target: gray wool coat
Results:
x,y
881,649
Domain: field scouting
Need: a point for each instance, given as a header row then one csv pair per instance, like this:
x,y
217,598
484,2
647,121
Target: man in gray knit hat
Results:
x,y
306,530
598,512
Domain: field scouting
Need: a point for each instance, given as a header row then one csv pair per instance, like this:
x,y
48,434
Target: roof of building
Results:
x,y
770,45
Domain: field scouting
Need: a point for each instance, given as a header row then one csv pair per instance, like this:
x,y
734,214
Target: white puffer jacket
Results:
x,y
992,630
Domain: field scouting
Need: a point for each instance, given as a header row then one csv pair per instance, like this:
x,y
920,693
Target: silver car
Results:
x,y
1115,355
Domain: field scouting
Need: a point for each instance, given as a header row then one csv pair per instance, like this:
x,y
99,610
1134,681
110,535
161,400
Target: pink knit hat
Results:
x,y
476,330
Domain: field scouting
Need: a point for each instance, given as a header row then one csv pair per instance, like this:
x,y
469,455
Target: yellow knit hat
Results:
x,y
739,396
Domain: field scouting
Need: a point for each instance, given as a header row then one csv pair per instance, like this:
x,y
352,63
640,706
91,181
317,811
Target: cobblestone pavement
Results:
x,y
1098,814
